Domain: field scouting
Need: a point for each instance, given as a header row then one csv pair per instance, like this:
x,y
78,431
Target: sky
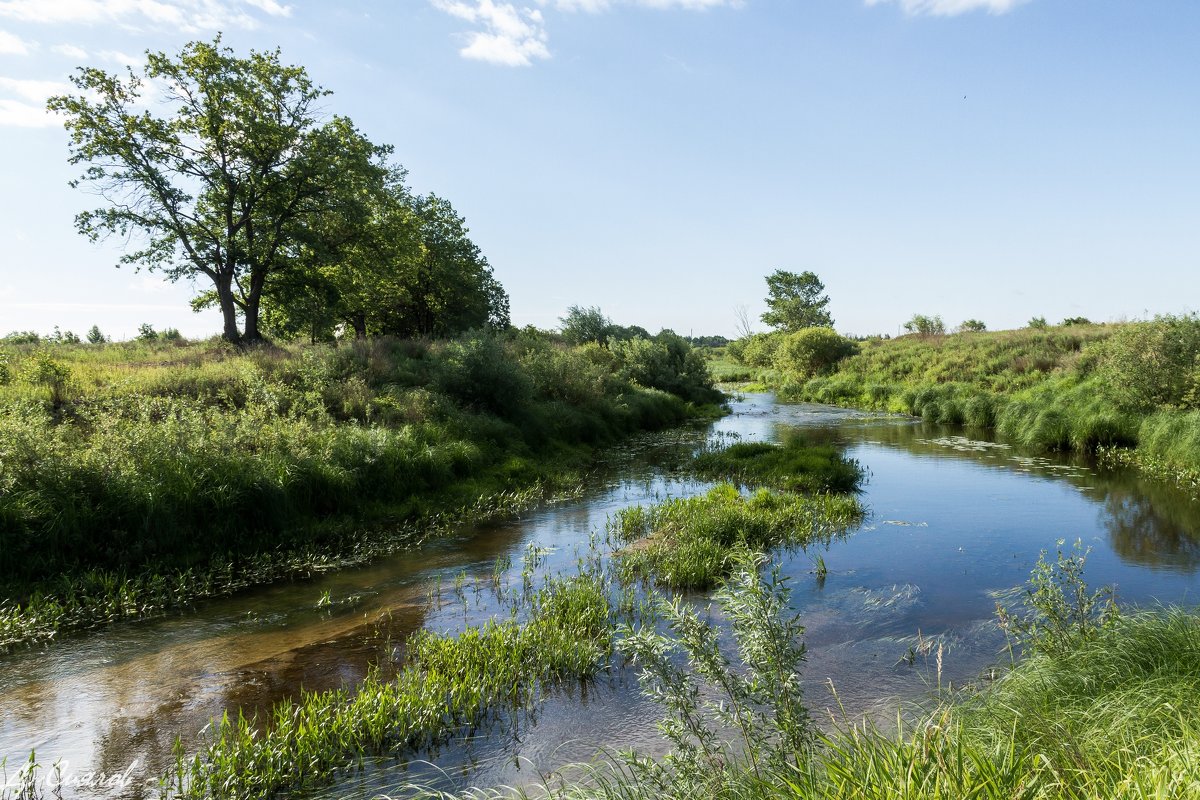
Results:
x,y
988,159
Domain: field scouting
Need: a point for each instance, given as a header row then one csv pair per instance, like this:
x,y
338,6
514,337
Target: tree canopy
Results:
x,y
795,301
300,223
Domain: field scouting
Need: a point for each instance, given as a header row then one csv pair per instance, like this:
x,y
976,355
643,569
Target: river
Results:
x,y
952,520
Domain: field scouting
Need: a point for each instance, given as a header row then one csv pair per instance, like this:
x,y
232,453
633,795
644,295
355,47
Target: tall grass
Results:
x,y
692,543
128,468
448,684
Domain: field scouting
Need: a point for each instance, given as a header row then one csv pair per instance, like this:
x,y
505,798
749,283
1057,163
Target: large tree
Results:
x,y
794,301
228,183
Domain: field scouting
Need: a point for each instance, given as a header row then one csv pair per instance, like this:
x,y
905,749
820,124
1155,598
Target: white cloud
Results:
x,y
13,45
512,37
15,114
186,15
70,51
515,36
25,103
950,8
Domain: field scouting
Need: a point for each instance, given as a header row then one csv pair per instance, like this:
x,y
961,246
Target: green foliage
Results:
x,y
23,337
447,683
692,543
1057,611
582,325
972,326
757,349
478,371
1075,321
1038,324
925,326
41,369
668,363
5,370
758,699
1156,363
812,351
96,336
793,465
794,301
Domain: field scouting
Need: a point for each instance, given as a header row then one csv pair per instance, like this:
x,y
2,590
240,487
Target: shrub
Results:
x,y
666,362
972,326
478,372
925,326
812,351
1038,323
1154,364
758,349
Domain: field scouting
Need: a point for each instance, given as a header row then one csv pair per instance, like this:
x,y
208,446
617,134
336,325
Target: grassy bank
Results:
x,y
1099,707
1070,388
140,476
791,465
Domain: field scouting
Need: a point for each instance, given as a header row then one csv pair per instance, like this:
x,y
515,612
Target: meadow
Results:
x,y
141,476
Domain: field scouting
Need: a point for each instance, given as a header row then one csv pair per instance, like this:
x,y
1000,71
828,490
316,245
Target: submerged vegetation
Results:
x,y
140,476
448,683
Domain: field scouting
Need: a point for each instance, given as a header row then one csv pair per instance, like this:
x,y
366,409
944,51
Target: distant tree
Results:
x,y
741,316
1038,323
795,301
64,337
972,326
1075,321
95,336
227,184
582,325
925,326
23,337
146,333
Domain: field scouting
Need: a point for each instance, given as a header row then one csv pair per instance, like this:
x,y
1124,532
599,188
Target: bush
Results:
x,y
666,362
758,350
812,351
478,372
972,326
925,326
1154,364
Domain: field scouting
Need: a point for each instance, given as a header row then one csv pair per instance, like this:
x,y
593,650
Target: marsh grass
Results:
x,y
692,543
449,684
792,465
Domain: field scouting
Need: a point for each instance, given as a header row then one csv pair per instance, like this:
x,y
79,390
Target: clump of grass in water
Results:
x,y
691,543
794,465
448,683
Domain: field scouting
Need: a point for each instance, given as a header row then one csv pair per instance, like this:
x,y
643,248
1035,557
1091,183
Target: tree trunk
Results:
x,y
252,335
359,321
228,311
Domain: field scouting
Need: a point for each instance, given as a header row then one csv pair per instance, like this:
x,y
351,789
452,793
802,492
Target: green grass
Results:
x,y
793,465
1077,388
449,683
140,476
692,543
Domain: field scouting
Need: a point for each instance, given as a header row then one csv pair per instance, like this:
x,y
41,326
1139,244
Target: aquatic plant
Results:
x,y
692,543
792,465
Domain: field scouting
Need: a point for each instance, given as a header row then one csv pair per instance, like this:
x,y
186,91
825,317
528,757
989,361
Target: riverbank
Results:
x,y
141,477
1075,388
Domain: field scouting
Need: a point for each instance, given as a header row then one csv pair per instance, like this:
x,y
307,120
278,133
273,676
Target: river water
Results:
x,y
952,520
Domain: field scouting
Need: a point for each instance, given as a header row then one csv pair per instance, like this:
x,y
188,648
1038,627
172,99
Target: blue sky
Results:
x,y
994,159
